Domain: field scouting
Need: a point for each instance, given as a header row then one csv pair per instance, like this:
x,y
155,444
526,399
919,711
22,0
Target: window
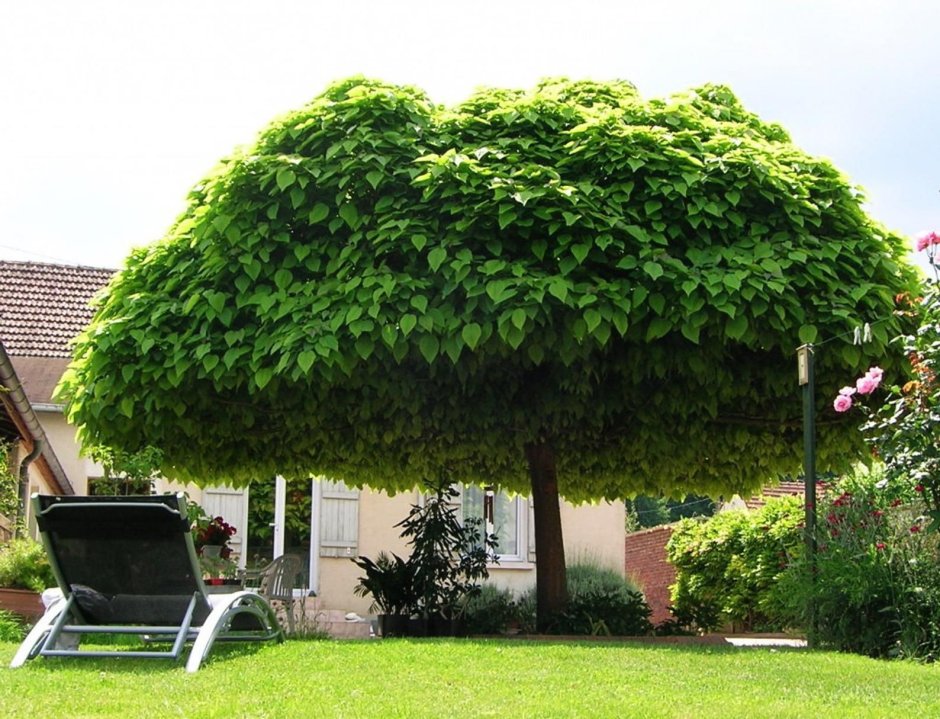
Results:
x,y
119,486
505,516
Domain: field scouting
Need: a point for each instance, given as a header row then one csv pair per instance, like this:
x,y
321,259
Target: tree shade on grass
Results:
x,y
569,289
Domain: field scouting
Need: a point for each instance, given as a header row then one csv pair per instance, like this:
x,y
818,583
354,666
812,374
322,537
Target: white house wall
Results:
x,y
593,532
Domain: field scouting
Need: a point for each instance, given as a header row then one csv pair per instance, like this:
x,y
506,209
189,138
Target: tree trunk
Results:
x,y
551,589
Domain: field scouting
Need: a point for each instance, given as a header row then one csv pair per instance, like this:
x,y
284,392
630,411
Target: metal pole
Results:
x,y
806,367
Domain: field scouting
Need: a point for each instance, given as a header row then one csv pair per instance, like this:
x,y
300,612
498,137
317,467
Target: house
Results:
x,y
43,306
30,458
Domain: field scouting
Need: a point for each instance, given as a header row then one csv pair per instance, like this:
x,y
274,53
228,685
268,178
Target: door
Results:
x,y
279,522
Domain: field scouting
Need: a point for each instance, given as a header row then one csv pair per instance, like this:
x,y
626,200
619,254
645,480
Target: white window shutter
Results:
x,y
339,519
232,505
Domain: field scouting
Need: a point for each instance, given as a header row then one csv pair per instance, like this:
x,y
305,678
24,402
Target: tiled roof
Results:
x,y
44,306
784,489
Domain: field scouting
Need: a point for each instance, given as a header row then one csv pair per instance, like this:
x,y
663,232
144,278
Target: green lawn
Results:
x,y
475,678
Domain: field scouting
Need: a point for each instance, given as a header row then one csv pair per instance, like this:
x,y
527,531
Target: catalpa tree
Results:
x,y
565,290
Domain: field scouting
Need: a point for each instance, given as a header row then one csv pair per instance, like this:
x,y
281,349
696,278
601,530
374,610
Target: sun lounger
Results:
x,y
127,565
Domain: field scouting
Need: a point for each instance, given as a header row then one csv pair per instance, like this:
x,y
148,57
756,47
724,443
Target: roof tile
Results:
x,y
44,306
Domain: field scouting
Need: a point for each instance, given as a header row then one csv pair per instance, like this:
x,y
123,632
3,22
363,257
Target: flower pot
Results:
x,y
24,602
212,551
394,625
441,626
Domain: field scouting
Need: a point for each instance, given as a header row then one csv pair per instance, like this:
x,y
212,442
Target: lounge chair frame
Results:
x,y
198,616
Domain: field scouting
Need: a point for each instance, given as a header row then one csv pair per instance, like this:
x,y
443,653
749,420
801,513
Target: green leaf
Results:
x,y
638,233
429,346
580,252
374,178
621,322
507,216
592,318
285,178
499,290
297,197
216,301
364,346
658,303
536,354
350,215
691,332
389,335
436,257
519,318
658,328
283,279
807,334
305,360
653,269
127,406
319,213
558,288
471,334
736,327
263,376
419,241
420,303
651,207
408,323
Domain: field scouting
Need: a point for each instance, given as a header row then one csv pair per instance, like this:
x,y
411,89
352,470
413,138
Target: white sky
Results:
x,y
111,110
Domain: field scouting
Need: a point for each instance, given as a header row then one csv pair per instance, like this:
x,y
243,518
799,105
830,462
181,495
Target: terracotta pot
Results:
x,y
24,602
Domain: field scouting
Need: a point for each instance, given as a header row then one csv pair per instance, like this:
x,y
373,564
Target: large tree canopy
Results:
x,y
381,290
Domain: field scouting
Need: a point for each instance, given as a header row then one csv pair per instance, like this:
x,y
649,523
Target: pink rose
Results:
x,y
866,384
925,239
876,373
847,391
843,403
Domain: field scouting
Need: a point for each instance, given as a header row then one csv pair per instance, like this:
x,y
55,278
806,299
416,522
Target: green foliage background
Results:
x,y
9,484
383,290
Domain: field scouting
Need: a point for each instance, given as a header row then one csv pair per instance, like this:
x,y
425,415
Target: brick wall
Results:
x,y
645,563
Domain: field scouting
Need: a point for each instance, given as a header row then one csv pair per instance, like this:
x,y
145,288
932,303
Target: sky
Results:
x,y
110,111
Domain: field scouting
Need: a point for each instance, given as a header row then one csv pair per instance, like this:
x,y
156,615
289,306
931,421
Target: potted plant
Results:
x,y
390,581
451,557
211,537
24,573
448,561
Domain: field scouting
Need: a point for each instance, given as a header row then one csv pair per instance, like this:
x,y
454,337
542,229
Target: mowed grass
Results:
x,y
441,678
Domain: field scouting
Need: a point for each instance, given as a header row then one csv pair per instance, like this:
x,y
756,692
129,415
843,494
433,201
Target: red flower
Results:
x,y
919,488
915,529
880,545
896,503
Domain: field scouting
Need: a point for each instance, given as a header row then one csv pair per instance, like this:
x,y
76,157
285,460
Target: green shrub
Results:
x,y
877,575
727,566
491,611
24,565
600,601
12,628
